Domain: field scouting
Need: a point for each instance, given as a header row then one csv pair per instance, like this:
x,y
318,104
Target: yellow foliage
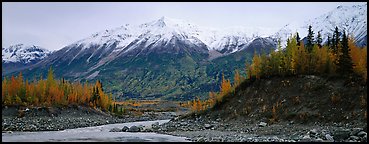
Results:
x,y
225,86
52,92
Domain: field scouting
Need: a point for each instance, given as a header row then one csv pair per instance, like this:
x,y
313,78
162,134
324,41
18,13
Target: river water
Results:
x,y
94,134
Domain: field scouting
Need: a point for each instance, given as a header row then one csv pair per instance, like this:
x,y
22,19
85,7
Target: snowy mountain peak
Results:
x,y
352,19
23,53
161,22
165,30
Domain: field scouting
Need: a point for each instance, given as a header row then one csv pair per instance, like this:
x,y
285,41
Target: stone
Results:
x,y
318,140
115,130
134,129
208,126
313,132
262,124
361,134
292,122
354,138
183,123
329,138
355,131
341,134
201,139
125,129
364,138
147,130
306,137
156,124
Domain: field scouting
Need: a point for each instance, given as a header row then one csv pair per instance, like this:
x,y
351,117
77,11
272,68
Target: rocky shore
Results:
x,y
197,129
53,119
203,130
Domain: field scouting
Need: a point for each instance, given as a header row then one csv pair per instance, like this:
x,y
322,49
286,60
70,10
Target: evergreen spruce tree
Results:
x,y
336,40
319,39
310,39
329,41
345,62
298,39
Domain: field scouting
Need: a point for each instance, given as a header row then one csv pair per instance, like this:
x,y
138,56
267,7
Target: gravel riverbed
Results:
x,y
53,119
197,129
204,130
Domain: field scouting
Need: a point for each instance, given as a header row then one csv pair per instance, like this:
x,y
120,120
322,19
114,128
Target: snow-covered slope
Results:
x,y
164,29
228,40
352,19
20,53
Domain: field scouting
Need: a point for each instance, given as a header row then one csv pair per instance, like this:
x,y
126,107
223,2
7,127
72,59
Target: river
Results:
x,y
94,134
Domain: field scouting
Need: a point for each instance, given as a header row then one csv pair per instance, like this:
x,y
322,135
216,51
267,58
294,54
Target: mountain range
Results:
x,y
170,58
19,56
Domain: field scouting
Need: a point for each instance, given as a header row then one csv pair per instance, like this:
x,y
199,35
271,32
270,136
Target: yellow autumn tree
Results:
x,y
256,66
359,58
225,86
237,78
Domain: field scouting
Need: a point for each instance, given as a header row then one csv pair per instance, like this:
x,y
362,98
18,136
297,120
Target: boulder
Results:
x,y
156,124
134,129
115,130
329,138
313,132
361,134
341,134
262,124
354,138
208,126
125,129
355,131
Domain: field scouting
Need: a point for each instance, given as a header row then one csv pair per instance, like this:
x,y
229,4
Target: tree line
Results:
x,y
52,92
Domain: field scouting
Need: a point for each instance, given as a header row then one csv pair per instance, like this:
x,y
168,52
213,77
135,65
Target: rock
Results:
x,y
147,130
306,137
313,132
318,140
295,137
115,130
125,129
201,139
354,138
341,134
364,139
183,124
292,122
208,126
361,134
355,131
134,129
268,82
156,124
329,138
262,124
10,132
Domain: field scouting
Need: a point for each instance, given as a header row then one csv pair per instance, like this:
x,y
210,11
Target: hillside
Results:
x,y
303,99
285,107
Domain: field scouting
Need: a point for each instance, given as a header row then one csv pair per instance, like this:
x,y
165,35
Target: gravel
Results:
x,y
205,130
54,119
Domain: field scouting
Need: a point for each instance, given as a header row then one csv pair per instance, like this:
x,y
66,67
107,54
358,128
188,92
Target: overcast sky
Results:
x,y
54,25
